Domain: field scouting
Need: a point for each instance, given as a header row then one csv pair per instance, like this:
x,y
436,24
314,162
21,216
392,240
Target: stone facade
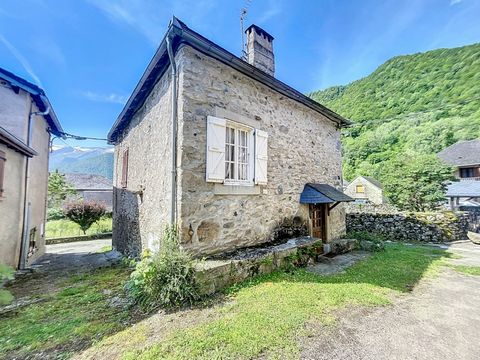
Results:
x,y
372,193
303,147
424,227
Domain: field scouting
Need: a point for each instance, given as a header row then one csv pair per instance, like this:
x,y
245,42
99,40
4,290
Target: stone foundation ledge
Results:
x,y
217,274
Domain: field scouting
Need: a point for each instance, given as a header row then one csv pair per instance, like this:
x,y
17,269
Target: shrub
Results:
x,y
165,278
368,241
55,214
84,212
6,273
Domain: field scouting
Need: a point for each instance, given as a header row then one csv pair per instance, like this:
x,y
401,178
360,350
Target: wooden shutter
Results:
x,y
216,128
2,170
125,169
261,157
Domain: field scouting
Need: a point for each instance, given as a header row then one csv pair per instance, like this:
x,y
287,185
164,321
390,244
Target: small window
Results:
x,y
467,172
238,152
360,189
125,169
2,171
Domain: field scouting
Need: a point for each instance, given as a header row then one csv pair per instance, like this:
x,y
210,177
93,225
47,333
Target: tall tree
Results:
x,y
58,189
415,182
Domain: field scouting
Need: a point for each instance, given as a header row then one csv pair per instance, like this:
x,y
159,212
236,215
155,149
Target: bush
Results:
x,y
166,278
84,212
368,241
6,273
55,214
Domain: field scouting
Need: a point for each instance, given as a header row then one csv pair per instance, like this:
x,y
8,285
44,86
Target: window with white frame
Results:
x,y
236,153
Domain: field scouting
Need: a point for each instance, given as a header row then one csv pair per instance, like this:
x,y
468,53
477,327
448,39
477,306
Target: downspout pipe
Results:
x,y
26,204
173,66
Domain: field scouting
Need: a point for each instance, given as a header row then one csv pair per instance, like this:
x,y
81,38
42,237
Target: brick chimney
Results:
x,y
260,49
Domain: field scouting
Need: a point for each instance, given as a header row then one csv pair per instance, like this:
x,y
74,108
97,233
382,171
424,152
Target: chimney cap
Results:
x,y
259,31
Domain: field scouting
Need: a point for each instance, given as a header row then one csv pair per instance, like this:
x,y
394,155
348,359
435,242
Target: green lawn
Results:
x,y
77,314
265,314
469,270
65,228
261,317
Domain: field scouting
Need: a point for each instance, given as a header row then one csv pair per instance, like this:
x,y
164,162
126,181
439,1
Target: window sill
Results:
x,y
234,189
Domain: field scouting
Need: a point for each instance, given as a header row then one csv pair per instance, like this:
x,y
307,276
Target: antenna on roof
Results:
x,y
243,16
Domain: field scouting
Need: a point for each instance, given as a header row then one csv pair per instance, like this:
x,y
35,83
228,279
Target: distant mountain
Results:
x,y
412,104
87,160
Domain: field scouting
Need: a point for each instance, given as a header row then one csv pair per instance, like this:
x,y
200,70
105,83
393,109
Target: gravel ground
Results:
x,y
440,319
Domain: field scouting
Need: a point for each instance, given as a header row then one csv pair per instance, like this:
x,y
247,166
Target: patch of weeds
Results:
x,y
78,314
166,278
465,269
265,314
368,241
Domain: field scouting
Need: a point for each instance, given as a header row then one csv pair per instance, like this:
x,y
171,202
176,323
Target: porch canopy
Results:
x,y
322,194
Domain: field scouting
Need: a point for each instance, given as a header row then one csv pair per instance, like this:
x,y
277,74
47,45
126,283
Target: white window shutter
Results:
x,y
261,157
215,149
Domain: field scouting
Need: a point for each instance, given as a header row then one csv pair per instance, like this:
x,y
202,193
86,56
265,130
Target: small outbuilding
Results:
x,y
366,190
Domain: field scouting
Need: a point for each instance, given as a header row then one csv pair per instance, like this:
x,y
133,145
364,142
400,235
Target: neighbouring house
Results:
x,y
92,187
366,190
219,146
27,122
464,156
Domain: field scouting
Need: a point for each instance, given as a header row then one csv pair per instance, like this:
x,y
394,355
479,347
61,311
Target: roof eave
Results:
x,y
16,144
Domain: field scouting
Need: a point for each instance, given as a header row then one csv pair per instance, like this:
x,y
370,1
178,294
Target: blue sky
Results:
x,y
89,54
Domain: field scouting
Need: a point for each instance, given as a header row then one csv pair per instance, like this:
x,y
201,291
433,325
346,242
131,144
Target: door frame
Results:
x,y
324,215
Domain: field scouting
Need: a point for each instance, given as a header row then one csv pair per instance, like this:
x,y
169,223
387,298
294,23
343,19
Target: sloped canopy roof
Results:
x,y
38,95
322,194
180,35
464,188
462,153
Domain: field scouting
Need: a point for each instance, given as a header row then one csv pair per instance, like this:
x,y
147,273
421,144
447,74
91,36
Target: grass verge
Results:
x,y
469,270
70,319
264,315
65,228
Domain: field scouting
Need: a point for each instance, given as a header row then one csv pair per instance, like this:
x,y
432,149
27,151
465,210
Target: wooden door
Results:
x,y
317,215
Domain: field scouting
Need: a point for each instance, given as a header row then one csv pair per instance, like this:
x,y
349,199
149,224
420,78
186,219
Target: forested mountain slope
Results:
x,y
411,106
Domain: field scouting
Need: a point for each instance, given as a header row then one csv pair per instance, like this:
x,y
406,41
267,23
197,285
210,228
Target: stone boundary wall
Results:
x,y
424,227
351,207
60,240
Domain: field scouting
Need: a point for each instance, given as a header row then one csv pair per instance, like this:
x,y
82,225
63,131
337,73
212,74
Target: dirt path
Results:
x,y
440,319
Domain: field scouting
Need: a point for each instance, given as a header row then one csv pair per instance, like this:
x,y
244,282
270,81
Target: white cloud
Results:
x,y
21,59
274,8
108,98
453,2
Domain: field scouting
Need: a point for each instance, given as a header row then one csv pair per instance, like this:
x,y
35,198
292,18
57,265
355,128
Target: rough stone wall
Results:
x,y
424,227
352,207
372,193
303,146
141,210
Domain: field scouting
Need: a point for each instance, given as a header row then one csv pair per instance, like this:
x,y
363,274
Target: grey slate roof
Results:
x,y
463,153
464,188
88,181
181,35
373,181
38,95
322,194
15,143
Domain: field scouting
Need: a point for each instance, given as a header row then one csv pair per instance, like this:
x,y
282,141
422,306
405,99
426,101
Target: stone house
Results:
x,y
27,122
219,146
91,187
465,157
366,190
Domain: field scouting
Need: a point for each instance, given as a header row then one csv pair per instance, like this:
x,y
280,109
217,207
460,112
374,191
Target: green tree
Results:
x,y
58,189
416,182
84,212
